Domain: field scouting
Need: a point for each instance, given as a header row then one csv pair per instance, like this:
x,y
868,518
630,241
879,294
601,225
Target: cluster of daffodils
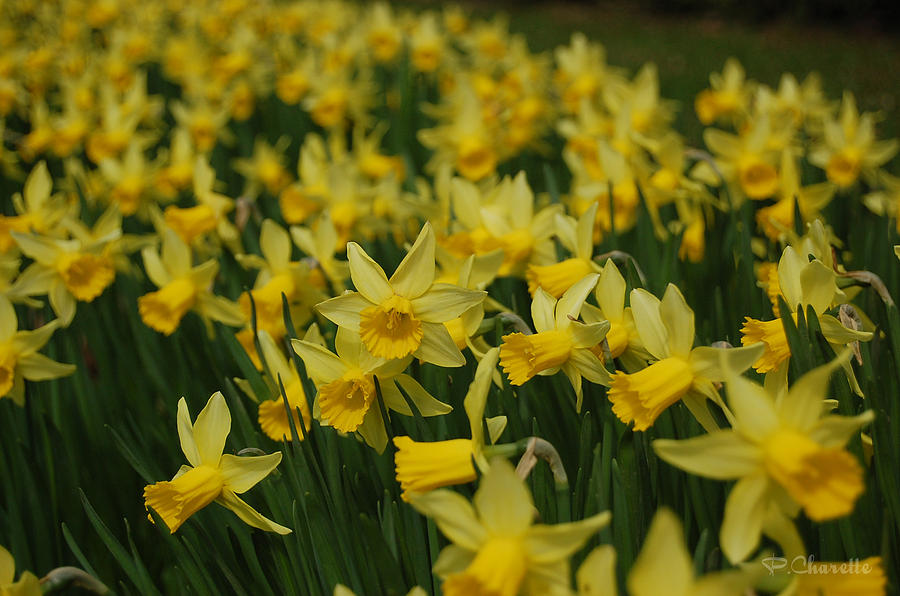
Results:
x,y
330,188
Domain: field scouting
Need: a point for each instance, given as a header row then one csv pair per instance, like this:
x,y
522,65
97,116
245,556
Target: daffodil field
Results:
x,y
313,297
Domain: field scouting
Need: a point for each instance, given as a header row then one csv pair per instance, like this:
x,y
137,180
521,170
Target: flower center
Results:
x,y
826,481
758,179
344,402
163,310
843,167
497,570
557,278
85,275
523,356
422,467
475,159
176,500
772,334
391,329
642,396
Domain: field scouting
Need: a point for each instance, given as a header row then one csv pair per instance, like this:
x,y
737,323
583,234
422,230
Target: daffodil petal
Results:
x,y
211,429
426,403
648,322
452,559
154,267
570,302
715,364
744,514
415,274
543,306
453,515
243,473
37,367
186,434
249,515
62,302
438,347
503,502
663,565
444,302
27,342
835,431
275,245
722,455
610,291
804,403
41,249
321,364
753,408
7,567
176,255
678,319
548,544
476,396
368,277
588,335
597,574
372,430
344,310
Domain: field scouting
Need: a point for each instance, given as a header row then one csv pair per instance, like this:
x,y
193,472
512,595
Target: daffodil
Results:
x,y
561,342
622,339
848,147
679,371
727,97
320,241
663,566
182,287
747,161
784,450
497,549
346,398
19,357
424,466
68,271
777,219
272,415
803,283
28,584
37,209
212,475
578,238
403,315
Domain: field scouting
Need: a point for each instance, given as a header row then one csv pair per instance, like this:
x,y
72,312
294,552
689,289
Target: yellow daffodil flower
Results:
x,y
211,475
802,283
28,584
320,242
19,357
666,329
848,147
622,338
578,238
561,342
663,566
182,287
68,271
497,549
425,466
273,417
403,315
346,396
784,451
37,209
778,219
727,97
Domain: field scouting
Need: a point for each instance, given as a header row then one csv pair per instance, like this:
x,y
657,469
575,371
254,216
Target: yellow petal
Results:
x,y
37,367
543,306
744,514
722,455
275,245
426,403
438,347
415,274
570,303
502,501
753,408
804,403
368,277
678,319
211,429
476,396
176,255
322,366
453,515
597,574
715,364
548,544
664,565
344,310
648,323
610,292
243,473
7,567
249,515
444,302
